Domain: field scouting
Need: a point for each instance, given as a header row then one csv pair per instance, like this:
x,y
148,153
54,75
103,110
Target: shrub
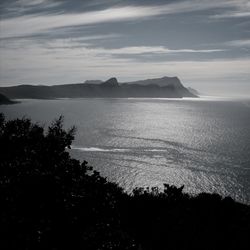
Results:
x,y
51,201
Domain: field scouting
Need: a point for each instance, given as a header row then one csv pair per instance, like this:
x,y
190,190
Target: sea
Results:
x,y
201,143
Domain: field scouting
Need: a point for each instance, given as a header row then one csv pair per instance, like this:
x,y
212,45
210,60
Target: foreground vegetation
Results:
x,y
51,201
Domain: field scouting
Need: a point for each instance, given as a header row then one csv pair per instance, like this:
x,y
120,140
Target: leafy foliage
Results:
x,y
51,201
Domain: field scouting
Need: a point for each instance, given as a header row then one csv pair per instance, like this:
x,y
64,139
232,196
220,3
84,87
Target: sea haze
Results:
x,y
202,143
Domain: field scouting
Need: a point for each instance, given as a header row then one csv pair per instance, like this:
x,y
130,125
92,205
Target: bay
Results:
x,y
202,143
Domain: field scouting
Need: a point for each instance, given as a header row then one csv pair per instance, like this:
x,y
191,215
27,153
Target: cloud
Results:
x,y
75,44
130,50
136,50
31,24
159,50
239,43
29,58
19,7
32,2
232,14
71,60
238,9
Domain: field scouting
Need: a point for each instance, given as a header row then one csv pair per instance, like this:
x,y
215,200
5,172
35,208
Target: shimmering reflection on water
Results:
x,y
201,143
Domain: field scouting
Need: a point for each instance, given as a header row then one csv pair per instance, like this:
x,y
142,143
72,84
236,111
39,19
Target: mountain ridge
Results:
x,y
165,87
162,82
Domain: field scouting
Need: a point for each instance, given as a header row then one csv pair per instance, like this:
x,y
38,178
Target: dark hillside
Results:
x,y
51,201
152,88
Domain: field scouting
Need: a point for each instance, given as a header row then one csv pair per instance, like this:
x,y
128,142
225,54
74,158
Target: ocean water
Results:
x,y
202,143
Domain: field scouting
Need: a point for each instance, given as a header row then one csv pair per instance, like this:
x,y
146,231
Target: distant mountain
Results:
x,y
112,82
166,87
5,100
93,81
169,82
162,82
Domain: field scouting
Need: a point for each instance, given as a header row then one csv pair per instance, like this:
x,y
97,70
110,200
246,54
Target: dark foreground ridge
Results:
x,y
51,201
166,87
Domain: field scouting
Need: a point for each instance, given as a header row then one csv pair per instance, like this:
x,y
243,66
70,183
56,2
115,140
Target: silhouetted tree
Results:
x,y
50,201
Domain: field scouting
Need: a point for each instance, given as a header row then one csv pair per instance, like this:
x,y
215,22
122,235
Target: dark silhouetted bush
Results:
x,y
51,201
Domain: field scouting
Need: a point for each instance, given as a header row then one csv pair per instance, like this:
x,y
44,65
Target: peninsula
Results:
x,y
165,87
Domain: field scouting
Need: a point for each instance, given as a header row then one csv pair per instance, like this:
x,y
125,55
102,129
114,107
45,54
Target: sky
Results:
x,y
206,43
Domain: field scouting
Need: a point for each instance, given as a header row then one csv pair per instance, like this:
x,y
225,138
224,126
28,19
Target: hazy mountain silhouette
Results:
x,y
112,82
168,87
171,83
162,82
93,81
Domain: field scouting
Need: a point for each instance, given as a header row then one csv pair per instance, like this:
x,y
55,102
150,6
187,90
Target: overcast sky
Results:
x,y
206,43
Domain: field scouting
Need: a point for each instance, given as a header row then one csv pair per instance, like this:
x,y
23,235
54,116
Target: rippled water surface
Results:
x,y
201,143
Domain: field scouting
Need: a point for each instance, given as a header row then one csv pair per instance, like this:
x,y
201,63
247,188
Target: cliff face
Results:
x,y
167,82
162,82
112,82
166,87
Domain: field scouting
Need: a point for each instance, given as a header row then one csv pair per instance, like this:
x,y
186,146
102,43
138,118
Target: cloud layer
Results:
x,y
31,24
46,41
